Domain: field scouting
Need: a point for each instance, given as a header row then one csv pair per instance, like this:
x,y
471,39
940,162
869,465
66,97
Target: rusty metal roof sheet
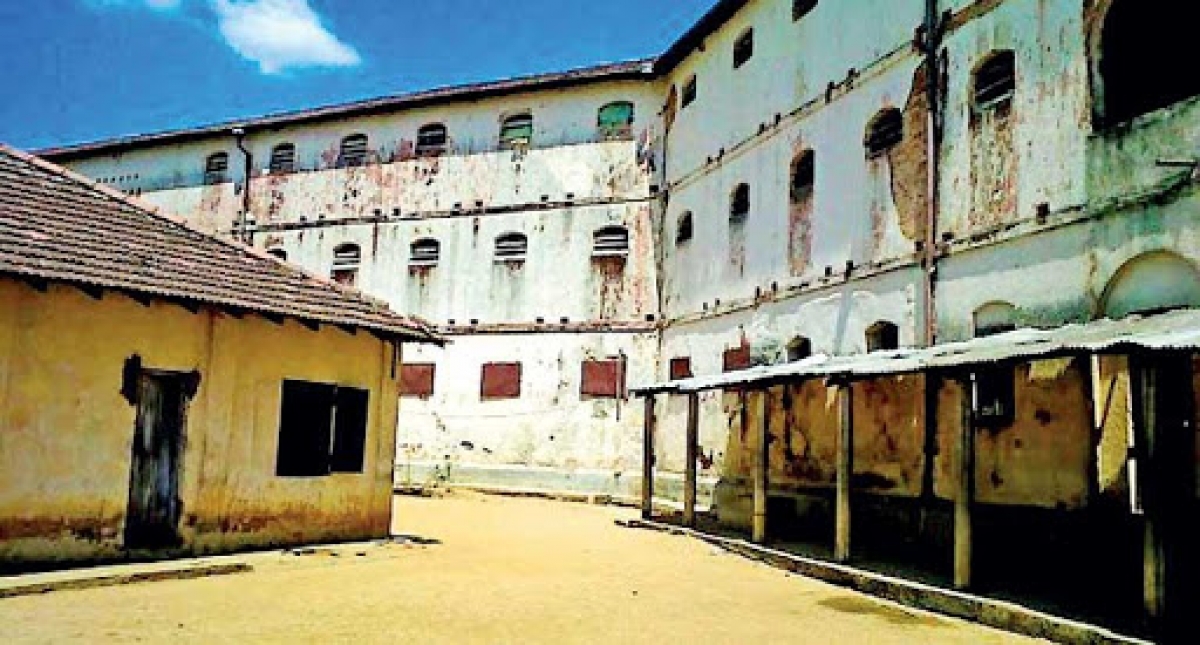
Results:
x,y
636,69
58,226
1175,330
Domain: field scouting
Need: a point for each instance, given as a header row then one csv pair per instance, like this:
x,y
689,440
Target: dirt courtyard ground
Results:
x,y
500,570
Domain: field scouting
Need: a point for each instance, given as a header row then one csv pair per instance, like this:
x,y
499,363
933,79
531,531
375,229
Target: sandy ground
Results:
x,y
502,571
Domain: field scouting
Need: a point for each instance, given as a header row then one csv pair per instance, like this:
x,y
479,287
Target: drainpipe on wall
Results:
x,y
244,232
932,44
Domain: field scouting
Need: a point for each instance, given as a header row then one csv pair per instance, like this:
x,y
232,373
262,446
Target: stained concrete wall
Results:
x,y
66,430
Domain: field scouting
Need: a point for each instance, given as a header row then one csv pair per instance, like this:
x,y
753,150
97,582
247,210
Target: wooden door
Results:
x,y
152,519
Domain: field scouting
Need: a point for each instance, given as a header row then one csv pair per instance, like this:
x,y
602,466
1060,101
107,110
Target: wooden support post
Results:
x,y
648,459
845,470
761,461
689,469
965,493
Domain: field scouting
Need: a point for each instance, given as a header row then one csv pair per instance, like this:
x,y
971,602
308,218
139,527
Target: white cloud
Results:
x,y
279,34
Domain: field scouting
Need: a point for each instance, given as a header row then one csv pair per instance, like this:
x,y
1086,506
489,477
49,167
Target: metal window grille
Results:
x,y
216,168
995,80
615,120
425,253
512,247
432,139
516,131
353,151
611,240
283,158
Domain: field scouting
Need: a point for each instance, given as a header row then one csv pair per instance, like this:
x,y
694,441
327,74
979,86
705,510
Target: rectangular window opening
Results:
x,y
416,380
322,429
500,381
602,379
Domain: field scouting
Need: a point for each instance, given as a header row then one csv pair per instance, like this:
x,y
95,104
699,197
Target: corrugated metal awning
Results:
x,y
1176,330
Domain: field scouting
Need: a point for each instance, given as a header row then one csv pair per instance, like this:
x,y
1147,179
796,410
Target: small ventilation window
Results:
x,y
615,120
283,158
736,358
799,349
883,335
512,247
216,168
680,368
611,240
743,48
683,230
346,261
739,203
516,131
353,151
803,177
689,92
432,140
424,253
500,381
279,253
800,8
995,80
885,132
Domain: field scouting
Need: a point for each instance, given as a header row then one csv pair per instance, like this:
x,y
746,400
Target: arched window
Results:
x,y
615,120
1151,282
1139,42
995,80
739,203
683,229
994,318
803,176
216,168
353,151
283,158
516,131
279,253
424,253
346,260
884,132
800,8
512,247
743,48
432,139
611,240
798,349
883,335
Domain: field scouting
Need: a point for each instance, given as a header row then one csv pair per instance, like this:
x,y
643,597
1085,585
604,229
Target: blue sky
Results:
x,y
82,70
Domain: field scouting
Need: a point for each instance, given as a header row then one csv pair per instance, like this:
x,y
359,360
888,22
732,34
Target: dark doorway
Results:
x,y
152,519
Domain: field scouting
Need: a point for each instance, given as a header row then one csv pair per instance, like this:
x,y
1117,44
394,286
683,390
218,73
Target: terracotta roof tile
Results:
x,y
59,226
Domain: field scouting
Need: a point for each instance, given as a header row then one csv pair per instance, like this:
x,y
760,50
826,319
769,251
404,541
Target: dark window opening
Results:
x,y
689,92
799,349
283,158
516,131
994,318
322,429
997,399
995,80
743,48
500,381
883,335
353,151
602,379
615,120
216,168
424,253
416,380
885,131
680,368
432,140
800,8
512,247
346,261
610,240
803,176
737,358
739,203
1139,43
683,230
279,253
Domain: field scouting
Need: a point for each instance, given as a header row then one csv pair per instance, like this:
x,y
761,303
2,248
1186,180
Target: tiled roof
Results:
x,y
636,69
59,226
